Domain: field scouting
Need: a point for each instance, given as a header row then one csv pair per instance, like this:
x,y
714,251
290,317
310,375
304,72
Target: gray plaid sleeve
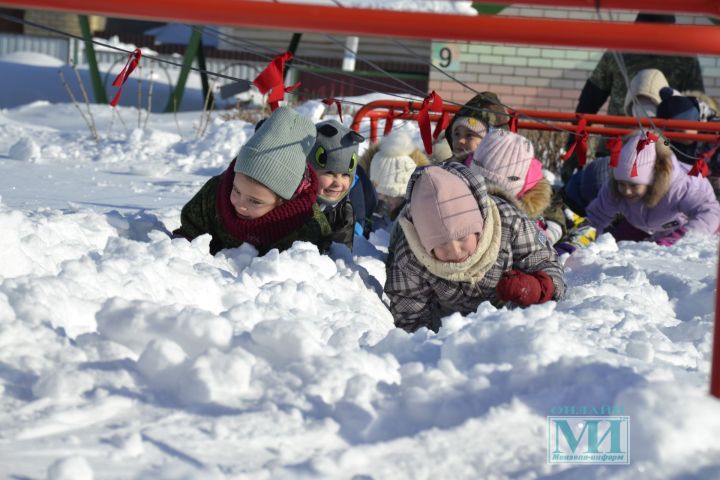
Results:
x,y
408,290
531,251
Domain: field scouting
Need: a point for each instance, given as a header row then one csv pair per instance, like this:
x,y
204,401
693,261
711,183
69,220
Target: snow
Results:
x,y
125,354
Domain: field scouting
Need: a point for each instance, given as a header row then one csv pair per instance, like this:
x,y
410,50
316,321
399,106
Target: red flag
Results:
x,y
271,79
580,144
513,123
391,116
700,168
132,62
615,146
647,140
441,125
330,101
434,103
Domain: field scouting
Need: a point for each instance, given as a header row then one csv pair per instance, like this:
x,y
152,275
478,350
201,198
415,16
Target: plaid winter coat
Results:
x,y
419,298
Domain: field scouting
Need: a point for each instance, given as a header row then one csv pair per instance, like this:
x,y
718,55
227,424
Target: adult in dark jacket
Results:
x,y
607,80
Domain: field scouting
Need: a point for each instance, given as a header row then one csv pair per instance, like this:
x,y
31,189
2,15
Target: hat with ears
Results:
x,y
336,148
393,164
646,83
276,154
443,208
637,167
504,158
677,107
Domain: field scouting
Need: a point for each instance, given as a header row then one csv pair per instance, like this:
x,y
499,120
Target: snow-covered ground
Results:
x,y
125,354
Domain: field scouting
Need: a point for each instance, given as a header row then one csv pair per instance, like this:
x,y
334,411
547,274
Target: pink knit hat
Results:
x,y
443,208
504,158
644,162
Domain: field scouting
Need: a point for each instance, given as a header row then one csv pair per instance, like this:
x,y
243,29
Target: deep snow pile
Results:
x,y
125,354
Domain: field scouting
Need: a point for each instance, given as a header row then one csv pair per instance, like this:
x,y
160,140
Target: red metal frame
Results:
x,y
715,361
683,39
697,7
543,120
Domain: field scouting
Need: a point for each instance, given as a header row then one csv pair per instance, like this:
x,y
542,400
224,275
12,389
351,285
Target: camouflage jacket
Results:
x,y
419,298
682,73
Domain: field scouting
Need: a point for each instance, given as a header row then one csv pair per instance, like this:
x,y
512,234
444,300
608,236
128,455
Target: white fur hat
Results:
x,y
392,165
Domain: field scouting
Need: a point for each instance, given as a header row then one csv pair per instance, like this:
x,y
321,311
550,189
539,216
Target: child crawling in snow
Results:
x,y
506,161
267,196
457,246
658,199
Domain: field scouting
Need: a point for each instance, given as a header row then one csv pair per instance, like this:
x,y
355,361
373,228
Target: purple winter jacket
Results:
x,y
687,201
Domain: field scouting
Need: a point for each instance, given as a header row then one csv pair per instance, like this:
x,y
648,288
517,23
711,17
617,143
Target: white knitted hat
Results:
x,y
391,166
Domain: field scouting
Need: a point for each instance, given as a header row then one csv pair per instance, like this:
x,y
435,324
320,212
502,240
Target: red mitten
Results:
x,y
525,288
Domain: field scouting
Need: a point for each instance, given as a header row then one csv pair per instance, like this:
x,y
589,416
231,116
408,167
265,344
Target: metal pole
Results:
x,y
620,36
100,95
715,362
190,52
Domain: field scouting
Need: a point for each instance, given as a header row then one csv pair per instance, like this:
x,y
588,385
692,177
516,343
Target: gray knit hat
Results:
x,y
275,155
336,148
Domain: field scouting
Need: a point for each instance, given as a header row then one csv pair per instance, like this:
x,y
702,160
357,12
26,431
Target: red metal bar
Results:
x,y
643,37
715,365
371,111
698,7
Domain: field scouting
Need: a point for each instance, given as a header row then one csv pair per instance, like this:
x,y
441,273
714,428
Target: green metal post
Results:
x,y
292,48
207,94
190,53
100,96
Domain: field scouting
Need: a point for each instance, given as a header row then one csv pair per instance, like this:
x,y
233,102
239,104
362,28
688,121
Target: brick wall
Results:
x,y
65,22
539,78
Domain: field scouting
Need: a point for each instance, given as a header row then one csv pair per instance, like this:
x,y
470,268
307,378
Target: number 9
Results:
x,y
445,57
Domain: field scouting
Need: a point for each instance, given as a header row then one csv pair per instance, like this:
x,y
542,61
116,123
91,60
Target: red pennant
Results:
x,y
615,146
130,65
271,79
441,125
633,170
580,144
700,168
391,116
330,101
701,164
647,140
513,123
431,103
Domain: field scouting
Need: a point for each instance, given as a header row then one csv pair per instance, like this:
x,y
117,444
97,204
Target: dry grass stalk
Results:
x,y
90,122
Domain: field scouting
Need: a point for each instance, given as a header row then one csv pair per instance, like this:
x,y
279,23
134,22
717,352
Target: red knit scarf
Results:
x,y
275,225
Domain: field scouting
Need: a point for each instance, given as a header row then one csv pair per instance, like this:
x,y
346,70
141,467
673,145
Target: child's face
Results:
x,y
333,185
631,191
466,140
252,199
457,251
